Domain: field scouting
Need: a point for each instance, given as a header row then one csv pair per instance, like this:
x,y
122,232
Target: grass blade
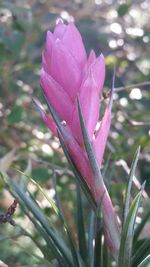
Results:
x,y
50,245
125,251
57,199
145,262
141,253
128,190
75,255
140,227
98,238
105,255
80,226
91,236
38,214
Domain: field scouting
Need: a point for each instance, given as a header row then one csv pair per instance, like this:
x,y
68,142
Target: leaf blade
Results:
x,y
125,251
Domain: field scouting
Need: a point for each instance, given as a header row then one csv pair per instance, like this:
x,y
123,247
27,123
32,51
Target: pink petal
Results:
x,y
47,119
50,124
97,68
45,62
56,95
73,42
89,101
59,30
46,55
64,69
101,139
91,58
49,44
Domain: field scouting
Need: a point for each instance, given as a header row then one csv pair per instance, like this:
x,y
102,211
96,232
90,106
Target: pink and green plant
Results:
x,y
71,81
72,84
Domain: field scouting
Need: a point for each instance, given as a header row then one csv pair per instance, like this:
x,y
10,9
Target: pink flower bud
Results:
x,y
68,74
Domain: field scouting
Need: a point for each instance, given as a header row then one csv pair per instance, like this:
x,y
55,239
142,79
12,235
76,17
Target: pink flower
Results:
x,y
67,74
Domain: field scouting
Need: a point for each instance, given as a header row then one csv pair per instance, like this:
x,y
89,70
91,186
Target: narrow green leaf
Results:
x,y
106,166
57,199
91,236
38,214
50,244
128,190
49,199
75,255
47,253
145,262
51,247
31,254
81,226
106,259
141,253
89,149
125,251
24,178
140,227
79,177
98,238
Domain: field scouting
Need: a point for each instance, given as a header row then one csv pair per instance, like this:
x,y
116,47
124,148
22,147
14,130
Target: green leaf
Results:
x,y
47,252
98,237
15,115
81,226
128,190
145,262
38,214
79,177
89,148
91,236
6,161
24,178
123,9
141,252
75,255
57,199
140,227
41,174
51,248
41,230
58,212
125,251
106,259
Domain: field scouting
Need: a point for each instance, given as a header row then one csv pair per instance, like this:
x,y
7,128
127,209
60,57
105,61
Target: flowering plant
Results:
x,y
67,77
72,85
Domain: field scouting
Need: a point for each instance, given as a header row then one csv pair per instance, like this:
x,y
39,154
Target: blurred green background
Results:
x,y
118,29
